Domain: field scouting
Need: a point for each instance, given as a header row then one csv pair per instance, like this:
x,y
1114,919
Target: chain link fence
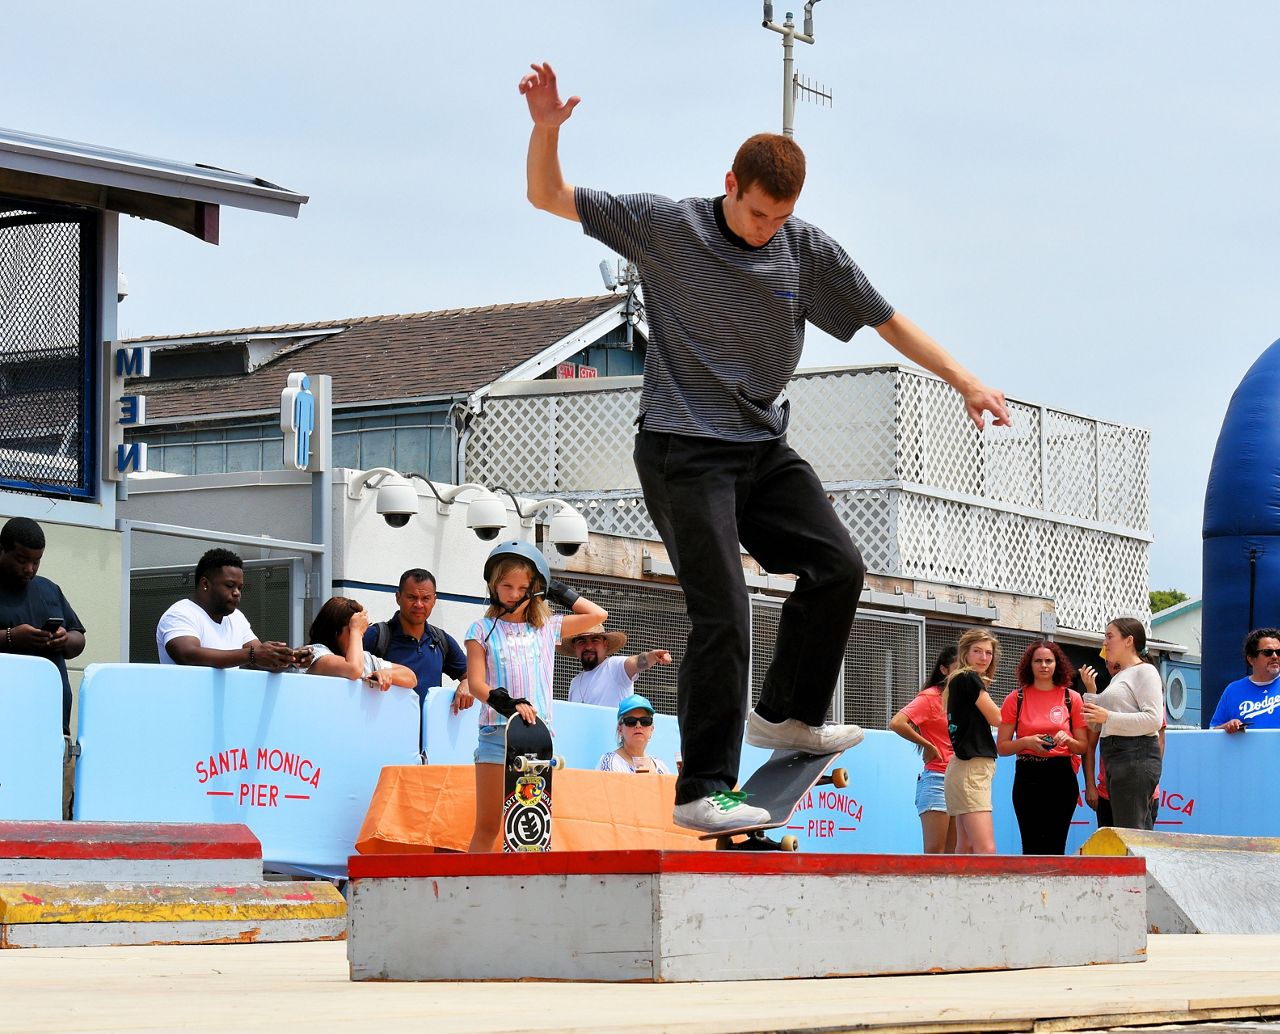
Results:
x,y
46,335
886,658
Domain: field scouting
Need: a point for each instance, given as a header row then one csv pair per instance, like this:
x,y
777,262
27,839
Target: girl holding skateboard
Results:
x,y
510,659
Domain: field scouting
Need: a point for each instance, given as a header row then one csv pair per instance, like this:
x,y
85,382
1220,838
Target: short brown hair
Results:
x,y
774,162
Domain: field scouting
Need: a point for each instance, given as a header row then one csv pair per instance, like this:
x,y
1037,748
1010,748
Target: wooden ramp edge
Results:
x,y
1201,884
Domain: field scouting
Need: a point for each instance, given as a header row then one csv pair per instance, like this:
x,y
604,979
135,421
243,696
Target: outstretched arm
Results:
x,y
921,349
547,188
643,661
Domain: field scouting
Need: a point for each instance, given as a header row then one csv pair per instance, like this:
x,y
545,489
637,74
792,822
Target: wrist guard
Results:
x,y
501,702
560,593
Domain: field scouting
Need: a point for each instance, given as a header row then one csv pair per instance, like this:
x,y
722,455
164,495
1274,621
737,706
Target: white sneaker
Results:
x,y
794,734
725,810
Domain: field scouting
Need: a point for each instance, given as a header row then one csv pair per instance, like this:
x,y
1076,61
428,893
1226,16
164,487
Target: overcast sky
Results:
x,y
1078,200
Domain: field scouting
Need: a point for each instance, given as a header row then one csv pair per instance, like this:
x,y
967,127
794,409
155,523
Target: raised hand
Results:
x,y
1090,679
540,93
979,399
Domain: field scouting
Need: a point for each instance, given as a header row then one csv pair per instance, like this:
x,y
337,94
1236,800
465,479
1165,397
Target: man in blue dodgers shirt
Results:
x,y
1253,702
729,283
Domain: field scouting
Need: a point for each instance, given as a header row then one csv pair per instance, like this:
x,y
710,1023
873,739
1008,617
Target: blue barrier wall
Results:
x,y
876,811
31,744
294,757
297,757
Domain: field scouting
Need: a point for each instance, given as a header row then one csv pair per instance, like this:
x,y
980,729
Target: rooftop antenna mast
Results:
x,y
792,85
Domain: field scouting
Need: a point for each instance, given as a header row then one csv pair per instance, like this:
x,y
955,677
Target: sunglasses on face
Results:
x,y
1267,653
632,722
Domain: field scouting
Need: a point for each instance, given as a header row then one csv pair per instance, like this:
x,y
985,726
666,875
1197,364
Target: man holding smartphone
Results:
x,y
208,628
37,619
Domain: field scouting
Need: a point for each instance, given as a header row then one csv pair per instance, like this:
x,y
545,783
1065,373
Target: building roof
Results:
x,y
184,195
1177,610
381,359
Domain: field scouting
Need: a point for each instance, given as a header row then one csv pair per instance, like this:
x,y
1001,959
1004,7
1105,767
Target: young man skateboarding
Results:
x,y
729,283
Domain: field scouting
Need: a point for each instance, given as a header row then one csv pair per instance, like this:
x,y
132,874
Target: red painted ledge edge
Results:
x,y
562,863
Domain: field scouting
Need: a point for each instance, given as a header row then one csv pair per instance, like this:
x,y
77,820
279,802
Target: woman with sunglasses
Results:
x,y
635,730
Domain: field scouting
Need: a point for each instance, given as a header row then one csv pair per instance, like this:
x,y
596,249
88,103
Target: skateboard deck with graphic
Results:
x,y
778,786
526,788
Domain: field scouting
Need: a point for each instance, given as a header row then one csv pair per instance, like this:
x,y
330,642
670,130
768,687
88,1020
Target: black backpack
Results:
x,y
436,635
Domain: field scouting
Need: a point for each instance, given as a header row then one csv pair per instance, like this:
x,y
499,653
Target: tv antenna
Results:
x,y
624,277
795,86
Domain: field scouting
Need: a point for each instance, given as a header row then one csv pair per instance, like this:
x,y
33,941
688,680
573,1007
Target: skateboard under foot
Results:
x,y
778,786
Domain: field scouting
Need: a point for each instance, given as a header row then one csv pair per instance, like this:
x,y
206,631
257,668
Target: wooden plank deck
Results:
x,y
261,987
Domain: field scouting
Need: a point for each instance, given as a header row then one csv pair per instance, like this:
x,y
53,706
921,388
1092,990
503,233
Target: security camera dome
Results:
x,y
568,531
487,516
397,501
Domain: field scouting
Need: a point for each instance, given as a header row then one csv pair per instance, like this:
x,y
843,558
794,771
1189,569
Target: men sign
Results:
x,y
297,421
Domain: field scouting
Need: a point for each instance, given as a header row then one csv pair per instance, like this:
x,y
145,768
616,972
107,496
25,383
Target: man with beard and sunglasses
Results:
x,y
605,679
1253,702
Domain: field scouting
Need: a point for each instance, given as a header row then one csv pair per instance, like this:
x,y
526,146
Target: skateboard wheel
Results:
x,y
789,844
522,764
840,777
557,763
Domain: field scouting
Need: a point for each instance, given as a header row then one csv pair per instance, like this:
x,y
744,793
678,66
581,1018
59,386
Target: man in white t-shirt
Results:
x,y
209,630
605,679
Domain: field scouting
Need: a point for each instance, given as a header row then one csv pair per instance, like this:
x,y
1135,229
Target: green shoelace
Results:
x,y
727,800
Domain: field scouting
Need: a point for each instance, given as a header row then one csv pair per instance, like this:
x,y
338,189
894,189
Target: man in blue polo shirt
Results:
x,y
407,638
1253,702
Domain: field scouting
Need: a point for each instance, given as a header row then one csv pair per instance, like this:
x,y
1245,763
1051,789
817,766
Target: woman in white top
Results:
x,y
1129,712
635,730
337,648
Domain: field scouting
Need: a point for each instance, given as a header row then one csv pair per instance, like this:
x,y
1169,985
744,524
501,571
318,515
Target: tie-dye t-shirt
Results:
x,y
520,659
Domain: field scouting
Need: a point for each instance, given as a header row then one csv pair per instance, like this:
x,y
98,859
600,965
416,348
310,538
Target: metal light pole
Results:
x,y
789,84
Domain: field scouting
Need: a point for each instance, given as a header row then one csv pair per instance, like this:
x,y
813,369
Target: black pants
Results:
x,y
1045,792
1133,773
706,496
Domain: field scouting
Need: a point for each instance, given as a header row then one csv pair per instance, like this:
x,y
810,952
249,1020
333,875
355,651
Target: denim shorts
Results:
x,y
491,747
930,795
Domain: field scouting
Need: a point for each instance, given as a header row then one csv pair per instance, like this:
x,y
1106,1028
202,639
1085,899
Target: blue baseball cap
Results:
x,y
635,700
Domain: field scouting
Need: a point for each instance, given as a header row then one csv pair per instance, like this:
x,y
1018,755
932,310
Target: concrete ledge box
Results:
x,y
694,916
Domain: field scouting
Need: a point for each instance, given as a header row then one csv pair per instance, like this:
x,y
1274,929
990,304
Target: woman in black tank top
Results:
x,y
971,714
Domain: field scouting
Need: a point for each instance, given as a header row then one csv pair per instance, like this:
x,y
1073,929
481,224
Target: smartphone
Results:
x,y
51,625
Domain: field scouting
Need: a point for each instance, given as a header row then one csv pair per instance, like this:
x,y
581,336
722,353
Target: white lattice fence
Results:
x,y
908,474
844,426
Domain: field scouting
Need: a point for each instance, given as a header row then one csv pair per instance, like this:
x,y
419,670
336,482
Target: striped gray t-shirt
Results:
x,y
726,320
